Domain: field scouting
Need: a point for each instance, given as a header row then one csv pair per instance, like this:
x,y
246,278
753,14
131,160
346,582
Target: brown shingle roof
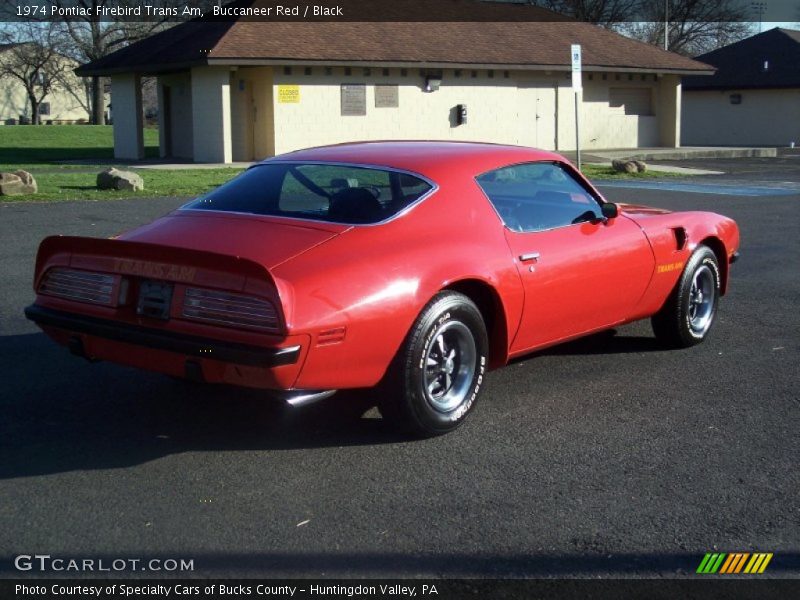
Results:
x,y
518,43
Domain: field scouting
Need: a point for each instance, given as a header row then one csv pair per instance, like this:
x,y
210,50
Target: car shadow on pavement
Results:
x,y
604,342
61,413
607,342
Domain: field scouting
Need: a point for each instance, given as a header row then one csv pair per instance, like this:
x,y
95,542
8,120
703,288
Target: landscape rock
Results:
x,y
629,166
28,180
624,166
16,184
114,179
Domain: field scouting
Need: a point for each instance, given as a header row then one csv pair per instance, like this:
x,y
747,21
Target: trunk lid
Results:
x,y
268,241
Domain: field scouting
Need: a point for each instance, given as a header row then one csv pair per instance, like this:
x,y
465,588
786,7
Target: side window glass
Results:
x,y
538,196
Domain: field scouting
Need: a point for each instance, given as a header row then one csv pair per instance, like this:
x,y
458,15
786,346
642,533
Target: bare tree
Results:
x,y
92,37
35,57
601,12
695,26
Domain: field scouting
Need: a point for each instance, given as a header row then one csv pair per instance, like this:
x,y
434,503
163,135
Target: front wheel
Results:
x,y
439,372
689,312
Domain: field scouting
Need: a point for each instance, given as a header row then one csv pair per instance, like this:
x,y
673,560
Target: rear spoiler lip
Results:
x,y
158,261
145,251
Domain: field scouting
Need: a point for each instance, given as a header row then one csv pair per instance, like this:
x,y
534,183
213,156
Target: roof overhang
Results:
x,y
733,88
247,62
159,69
254,62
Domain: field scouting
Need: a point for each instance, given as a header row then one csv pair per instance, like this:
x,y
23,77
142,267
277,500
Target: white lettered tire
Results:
x,y
439,372
689,312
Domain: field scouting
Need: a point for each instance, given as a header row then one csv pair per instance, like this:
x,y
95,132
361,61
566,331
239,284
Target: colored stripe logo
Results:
x,y
734,563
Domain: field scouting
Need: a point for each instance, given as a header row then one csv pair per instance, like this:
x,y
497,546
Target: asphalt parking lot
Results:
x,y
607,456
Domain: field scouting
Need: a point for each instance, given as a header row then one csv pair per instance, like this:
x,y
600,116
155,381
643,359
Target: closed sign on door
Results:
x,y
289,94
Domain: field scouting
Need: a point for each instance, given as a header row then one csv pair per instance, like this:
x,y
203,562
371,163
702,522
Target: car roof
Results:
x,y
430,158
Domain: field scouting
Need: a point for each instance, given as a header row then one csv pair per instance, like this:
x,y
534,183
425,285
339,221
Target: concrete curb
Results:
x,y
666,169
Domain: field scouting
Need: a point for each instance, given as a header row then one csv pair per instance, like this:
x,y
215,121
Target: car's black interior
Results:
x,y
538,196
355,205
325,192
547,209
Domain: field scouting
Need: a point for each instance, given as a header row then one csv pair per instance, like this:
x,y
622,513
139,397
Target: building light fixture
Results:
x,y
433,82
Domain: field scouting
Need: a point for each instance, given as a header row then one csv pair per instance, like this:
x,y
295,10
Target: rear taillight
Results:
x,y
82,286
232,310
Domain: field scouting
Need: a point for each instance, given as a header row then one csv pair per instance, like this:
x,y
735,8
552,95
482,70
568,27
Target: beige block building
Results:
x,y
754,97
59,106
258,92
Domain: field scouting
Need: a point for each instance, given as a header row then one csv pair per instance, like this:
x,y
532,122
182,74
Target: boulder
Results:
x,y
16,184
114,179
640,166
28,180
10,184
624,166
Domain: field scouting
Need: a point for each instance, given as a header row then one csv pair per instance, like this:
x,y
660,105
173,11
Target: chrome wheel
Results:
x,y
449,366
701,300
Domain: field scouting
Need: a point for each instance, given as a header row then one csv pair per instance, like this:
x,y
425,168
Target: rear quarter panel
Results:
x,y
375,280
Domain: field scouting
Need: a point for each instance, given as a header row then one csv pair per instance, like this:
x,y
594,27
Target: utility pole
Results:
x,y
666,24
760,8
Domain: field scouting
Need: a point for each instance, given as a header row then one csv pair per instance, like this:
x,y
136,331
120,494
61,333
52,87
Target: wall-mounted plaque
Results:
x,y
354,100
288,94
387,96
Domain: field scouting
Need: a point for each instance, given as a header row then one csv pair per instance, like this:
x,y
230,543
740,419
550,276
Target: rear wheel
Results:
x,y
438,374
689,312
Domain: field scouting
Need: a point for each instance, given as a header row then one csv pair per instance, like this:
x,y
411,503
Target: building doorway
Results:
x,y
166,108
537,115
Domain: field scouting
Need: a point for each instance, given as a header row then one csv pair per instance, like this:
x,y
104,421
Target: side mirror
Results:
x,y
609,210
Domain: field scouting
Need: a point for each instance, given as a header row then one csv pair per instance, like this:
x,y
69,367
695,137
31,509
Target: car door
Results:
x,y
580,272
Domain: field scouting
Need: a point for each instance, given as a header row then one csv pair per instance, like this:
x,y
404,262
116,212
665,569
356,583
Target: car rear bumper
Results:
x,y
187,345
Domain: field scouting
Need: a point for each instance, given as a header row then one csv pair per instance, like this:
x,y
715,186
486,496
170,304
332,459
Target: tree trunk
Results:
x,y
98,102
34,109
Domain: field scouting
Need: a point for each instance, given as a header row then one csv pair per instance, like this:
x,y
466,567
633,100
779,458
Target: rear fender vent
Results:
x,y
331,336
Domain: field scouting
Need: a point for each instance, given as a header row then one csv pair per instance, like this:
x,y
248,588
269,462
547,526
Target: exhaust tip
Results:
x,y
298,398
193,371
75,345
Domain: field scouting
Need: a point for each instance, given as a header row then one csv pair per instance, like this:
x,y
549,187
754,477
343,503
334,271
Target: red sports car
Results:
x,y
413,266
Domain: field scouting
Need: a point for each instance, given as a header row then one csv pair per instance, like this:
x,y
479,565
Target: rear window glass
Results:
x,y
334,193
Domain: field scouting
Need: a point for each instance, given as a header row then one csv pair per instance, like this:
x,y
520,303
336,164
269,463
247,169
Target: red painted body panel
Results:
x,y
612,260
348,295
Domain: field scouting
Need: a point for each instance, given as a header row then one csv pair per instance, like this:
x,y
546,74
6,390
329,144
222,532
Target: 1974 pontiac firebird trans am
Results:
x,y
412,266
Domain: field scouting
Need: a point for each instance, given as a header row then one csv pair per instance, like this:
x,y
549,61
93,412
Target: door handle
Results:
x,y
534,256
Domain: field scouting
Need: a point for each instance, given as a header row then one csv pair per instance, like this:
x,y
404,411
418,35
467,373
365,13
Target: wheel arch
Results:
x,y
490,305
718,247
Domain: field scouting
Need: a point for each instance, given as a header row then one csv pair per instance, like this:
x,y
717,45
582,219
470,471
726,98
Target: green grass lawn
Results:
x,y
78,183
39,149
607,172
26,144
